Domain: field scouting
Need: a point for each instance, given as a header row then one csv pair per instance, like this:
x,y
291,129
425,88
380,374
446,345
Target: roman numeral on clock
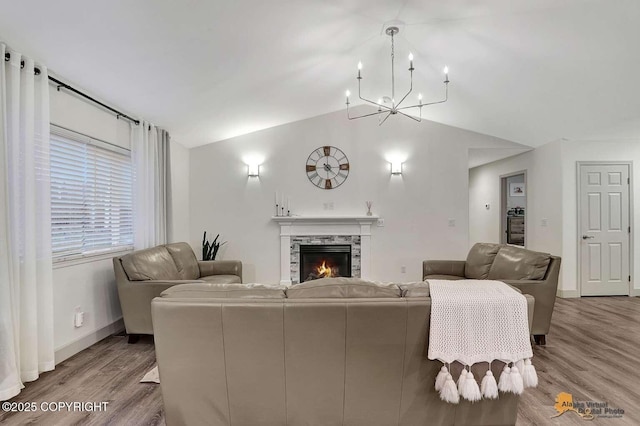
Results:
x,y
327,184
311,168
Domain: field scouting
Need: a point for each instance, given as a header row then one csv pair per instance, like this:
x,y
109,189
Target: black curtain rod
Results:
x,y
61,85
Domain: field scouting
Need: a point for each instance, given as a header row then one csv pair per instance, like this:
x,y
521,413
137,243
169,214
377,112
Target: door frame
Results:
x,y
502,184
579,220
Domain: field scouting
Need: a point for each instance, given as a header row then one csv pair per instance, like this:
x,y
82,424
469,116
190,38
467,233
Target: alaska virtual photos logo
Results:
x,y
587,410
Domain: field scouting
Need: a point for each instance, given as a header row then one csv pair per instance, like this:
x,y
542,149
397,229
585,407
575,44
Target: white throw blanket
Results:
x,y
479,321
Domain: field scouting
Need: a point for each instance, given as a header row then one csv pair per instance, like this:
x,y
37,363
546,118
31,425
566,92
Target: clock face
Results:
x,y
327,167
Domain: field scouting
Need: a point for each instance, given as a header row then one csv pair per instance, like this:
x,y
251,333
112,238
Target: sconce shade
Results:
x,y
254,170
396,168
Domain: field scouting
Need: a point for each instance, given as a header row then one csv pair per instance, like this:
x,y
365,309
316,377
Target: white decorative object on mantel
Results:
x,y
324,225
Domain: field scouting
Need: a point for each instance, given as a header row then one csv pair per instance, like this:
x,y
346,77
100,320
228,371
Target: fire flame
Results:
x,y
324,271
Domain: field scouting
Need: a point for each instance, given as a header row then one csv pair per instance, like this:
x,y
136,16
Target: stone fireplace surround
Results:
x,y
354,230
322,240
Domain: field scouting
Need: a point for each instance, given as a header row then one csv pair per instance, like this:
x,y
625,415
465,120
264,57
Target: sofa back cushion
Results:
x,y
219,291
480,259
185,260
342,288
154,263
514,263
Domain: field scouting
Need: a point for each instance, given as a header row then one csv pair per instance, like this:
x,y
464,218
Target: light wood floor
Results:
x,y
592,352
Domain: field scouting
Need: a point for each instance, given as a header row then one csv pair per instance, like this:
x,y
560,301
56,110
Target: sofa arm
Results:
x,y
220,267
544,293
135,300
443,267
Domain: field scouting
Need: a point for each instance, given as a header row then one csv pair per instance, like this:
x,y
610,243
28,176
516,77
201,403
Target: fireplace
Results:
x,y
322,261
296,231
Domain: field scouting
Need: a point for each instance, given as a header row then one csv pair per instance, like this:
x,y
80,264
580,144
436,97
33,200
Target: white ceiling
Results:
x,y
529,71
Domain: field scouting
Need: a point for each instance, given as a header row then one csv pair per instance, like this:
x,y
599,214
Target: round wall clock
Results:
x,y
327,167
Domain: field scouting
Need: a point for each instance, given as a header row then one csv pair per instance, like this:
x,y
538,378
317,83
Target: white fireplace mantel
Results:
x,y
324,225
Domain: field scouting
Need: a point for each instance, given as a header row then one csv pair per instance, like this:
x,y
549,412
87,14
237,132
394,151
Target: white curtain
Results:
x,y
26,289
150,150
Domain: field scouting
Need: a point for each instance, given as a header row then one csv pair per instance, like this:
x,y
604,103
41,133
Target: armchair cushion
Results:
x,y
480,259
219,267
443,267
514,263
217,291
221,279
342,288
444,277
185,260
150,264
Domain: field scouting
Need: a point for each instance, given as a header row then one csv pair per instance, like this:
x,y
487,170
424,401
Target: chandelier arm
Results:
x,y
422,105
410,90
371,102
365,115
446,98
413,118
386,108
385,119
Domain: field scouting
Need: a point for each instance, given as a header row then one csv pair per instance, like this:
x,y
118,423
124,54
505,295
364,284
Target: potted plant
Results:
x,y
210,249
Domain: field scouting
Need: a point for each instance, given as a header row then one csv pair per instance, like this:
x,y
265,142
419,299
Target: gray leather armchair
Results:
x,y
532,272
145,274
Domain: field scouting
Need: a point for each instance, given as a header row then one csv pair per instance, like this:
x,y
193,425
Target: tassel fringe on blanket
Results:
x,y
511,380
477,322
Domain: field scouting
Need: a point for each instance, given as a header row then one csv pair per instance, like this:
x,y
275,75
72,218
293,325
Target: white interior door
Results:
x,y
604,229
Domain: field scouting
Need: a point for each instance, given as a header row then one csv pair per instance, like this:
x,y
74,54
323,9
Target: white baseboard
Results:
x,y
567,294
78,345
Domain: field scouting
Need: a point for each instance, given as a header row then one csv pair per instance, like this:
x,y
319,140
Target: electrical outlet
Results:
x,y
403,269
452,223
380,222
78,319
331,205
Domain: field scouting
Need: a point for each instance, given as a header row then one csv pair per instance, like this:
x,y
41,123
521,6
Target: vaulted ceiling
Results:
x,y
529,71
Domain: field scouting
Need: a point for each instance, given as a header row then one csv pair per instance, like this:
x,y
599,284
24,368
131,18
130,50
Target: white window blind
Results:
x,y
91,196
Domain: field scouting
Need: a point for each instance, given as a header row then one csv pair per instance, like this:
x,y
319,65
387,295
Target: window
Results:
x,y
91,196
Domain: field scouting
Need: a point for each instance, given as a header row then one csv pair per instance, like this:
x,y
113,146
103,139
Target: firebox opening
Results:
x,y
323,261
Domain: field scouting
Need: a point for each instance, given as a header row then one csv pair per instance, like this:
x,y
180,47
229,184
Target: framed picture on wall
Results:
x,y
516,189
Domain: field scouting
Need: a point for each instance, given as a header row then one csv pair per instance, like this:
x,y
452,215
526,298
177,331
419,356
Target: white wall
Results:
x,y
551,194
544,198
572,152
416,206
89,286
179,217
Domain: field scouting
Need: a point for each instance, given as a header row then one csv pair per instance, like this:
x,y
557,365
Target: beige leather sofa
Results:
x,y
532,272
320,353
144,274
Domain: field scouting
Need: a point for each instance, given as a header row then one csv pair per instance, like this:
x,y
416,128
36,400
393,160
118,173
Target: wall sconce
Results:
x,y
396,167
253,170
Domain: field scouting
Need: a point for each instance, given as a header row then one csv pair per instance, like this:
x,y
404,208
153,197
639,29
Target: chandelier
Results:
x,y
395,107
